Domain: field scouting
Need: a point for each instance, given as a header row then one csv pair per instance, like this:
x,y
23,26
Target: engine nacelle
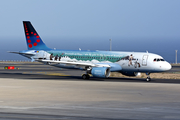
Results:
x,y
130,73
102,72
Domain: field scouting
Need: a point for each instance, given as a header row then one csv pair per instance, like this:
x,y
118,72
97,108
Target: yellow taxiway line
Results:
x,y
47,73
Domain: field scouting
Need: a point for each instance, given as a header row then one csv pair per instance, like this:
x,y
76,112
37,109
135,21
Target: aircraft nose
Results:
x,y
167,66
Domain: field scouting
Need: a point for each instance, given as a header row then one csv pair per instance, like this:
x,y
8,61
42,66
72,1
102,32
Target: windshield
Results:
x,y
158,59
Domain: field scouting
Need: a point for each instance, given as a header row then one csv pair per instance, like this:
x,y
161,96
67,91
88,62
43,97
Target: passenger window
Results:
x,y
158,59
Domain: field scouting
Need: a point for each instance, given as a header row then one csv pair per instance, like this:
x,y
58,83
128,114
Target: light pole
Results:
x,y
110,44
176,56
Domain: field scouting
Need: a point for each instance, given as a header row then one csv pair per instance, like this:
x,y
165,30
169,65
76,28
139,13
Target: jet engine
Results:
x,y
130,73
101,72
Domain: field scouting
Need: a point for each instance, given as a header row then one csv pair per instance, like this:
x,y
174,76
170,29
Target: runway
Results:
x,y
37,91
41,71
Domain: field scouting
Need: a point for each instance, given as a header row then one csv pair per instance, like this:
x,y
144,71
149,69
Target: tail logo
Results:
x,y
35,35
33,40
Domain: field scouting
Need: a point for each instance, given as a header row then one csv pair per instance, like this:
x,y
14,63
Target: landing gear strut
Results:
x,y
88,71
85,76
148,79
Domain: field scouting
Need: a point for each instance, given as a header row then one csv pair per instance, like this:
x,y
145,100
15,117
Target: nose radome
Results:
x,y
168,66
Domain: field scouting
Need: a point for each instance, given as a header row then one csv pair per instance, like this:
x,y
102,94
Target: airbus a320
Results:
x,y
95,63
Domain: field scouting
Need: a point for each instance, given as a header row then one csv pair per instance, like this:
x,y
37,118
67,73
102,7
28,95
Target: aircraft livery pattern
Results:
x,y
34,42
125,59
89,56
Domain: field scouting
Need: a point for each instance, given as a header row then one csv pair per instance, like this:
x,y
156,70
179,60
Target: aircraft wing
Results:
x,y
77,63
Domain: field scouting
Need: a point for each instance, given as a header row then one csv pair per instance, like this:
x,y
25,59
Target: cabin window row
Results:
x,y
93,57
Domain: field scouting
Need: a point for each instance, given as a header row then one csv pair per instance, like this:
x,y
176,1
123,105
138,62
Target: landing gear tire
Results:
x,y
148,79
85,76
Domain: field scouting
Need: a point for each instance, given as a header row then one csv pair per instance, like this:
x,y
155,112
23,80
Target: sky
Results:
x,y
133,25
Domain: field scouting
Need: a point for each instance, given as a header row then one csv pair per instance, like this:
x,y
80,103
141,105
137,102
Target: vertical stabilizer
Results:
x,y
34,42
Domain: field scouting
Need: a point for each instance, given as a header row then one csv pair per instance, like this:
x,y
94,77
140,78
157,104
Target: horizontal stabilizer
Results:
x,y
21,53
13,52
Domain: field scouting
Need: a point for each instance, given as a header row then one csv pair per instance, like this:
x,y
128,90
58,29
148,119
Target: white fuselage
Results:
x,y
128,61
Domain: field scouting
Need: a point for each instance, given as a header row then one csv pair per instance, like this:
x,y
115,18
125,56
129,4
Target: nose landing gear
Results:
x,y
148,79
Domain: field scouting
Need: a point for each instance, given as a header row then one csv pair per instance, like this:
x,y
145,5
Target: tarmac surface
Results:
x,y
39,92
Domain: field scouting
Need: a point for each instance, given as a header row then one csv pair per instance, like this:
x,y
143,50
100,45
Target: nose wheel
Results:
x,y
148,79
85,76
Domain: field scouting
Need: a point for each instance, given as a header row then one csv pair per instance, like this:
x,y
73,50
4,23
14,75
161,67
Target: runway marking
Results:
x,y
48,73
58,74
37,68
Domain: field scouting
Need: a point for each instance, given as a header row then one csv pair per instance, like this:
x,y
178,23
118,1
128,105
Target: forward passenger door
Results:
x,y
144,60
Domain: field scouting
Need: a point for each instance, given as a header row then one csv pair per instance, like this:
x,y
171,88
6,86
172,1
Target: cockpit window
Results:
x,y
158,59
162,60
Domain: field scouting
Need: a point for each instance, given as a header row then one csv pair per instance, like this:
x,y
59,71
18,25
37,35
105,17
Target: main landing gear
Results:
x,y
85,76
88,71
148,79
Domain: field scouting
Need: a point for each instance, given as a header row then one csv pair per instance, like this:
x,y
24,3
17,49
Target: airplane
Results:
x,y
96,63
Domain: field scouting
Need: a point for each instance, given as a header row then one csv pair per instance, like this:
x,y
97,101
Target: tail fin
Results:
x,y
34,42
